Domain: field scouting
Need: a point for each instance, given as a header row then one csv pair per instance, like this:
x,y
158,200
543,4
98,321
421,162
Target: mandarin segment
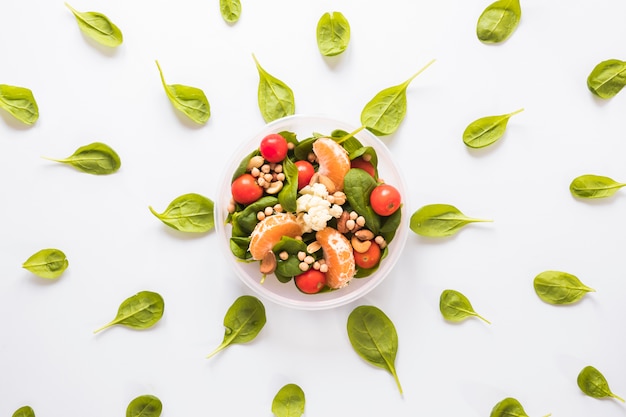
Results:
x,y
338,256
334,161
270,230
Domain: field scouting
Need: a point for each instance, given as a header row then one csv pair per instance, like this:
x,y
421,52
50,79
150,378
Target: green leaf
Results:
x,y
47,263
383,114
439,220
141,311
20,103
508,407
191,101
289,401
607,78
498,21
594,186
486,130
455,306
191,213
230,10
594,384
333,34
98,27
289,193
557,287
243,321
95,158
357,186
25,411
276,99
144,406
373,336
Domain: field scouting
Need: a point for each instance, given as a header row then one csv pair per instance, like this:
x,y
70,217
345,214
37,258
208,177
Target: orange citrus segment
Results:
x,y
333,160
270,230
338,256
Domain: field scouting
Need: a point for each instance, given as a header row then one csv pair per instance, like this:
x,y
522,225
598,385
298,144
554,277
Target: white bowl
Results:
x,y
287,294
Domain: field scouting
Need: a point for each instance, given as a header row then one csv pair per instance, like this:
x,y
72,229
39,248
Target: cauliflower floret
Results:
x,y
313,208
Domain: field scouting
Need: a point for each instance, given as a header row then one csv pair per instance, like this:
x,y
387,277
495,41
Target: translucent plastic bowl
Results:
x,y
287,294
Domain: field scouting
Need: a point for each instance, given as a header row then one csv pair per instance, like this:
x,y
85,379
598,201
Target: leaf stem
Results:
x,y
106,326
407,82
218,349
482,318
395,376
349,135
516,112
617,397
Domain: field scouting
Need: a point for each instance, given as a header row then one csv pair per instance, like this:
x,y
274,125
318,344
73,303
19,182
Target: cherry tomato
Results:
x,y
245,189
385,199
274,147
311,281
369,258
364,165
305,172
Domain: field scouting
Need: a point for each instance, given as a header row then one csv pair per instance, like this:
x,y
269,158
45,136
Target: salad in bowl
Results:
x,y
312,212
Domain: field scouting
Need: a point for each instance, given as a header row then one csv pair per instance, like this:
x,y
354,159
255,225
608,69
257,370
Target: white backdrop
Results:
x,y
51,360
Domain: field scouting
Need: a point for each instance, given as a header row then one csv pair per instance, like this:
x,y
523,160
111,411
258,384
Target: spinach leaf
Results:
x,y
383,114
455,306
191,101
557,287
96,158
607,78
498,21
25,411
241,168
594,186
144,406
289,401
358,185
439,220
333,34
486,130
275,98
390,225
141,311
230,10
47,263
373,336
98,27
19,102
243,321
594,384
289,193
239,247
245,220
508,407
192,213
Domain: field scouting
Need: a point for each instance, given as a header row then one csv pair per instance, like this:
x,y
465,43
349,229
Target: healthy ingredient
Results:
x,y
273,148
594,186
498,21
230,10
243,321
333,161
594,384
47,263
269,231
96,158
364,164
373,336
368,259
305,173
141,311
275,98
486,130
289,401
98,27
191,101
25,411
439,220
385,199
333,34
456,307
144,406
607,78
19,102
245,189
338,256
509,407
191,213
384,113
556,287
311,281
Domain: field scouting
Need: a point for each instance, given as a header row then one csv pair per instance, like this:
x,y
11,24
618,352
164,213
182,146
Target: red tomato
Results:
x,y
311,281
369,258
274,147
364,165
245,189
305,172
385,199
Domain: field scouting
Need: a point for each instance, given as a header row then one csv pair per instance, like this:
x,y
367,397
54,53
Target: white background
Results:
x,y
51,360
